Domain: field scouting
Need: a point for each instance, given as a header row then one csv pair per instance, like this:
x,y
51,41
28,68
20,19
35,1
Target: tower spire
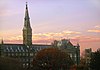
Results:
x,y
27,30
26,4
26,12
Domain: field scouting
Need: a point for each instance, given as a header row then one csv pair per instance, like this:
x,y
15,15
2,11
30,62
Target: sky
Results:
x,y
77,20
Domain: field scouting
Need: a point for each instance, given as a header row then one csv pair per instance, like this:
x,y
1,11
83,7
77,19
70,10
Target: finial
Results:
x,y
26,5
78,44
26,2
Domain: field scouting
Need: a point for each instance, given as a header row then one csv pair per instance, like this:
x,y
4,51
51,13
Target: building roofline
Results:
x,y
32,44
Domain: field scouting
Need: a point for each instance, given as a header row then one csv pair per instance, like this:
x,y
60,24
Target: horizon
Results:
x,y
52,20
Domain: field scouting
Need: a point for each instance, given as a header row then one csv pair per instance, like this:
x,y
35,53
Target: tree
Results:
x,y
95,60
52,59
7,63
83,65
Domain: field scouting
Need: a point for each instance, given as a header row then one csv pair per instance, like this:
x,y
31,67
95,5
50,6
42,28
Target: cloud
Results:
x,y
97,26
71,32
56,35
95,30
87,39
50,36
44,37
87,42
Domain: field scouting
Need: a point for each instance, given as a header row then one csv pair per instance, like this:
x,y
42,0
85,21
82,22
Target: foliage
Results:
x,y
95,60
52,58
9,64
82,65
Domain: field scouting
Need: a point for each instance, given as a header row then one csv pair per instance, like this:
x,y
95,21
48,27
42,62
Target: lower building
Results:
x,y
26,53
88,53
67,46
21,52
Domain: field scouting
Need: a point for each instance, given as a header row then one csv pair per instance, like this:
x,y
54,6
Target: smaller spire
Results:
x,y
26,5
26,11
78,44
2,41
26,2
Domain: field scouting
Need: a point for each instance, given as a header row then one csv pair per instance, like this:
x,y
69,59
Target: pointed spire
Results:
x,y
26,5
27,30
27,19
26,12
78,46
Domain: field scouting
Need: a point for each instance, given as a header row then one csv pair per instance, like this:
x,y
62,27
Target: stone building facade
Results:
x,y
67,46
87,55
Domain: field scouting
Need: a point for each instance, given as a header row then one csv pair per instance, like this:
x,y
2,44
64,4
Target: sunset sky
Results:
x,y
77,20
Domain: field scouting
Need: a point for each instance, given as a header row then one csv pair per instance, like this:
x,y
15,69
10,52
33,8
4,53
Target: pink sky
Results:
x,y
78,20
